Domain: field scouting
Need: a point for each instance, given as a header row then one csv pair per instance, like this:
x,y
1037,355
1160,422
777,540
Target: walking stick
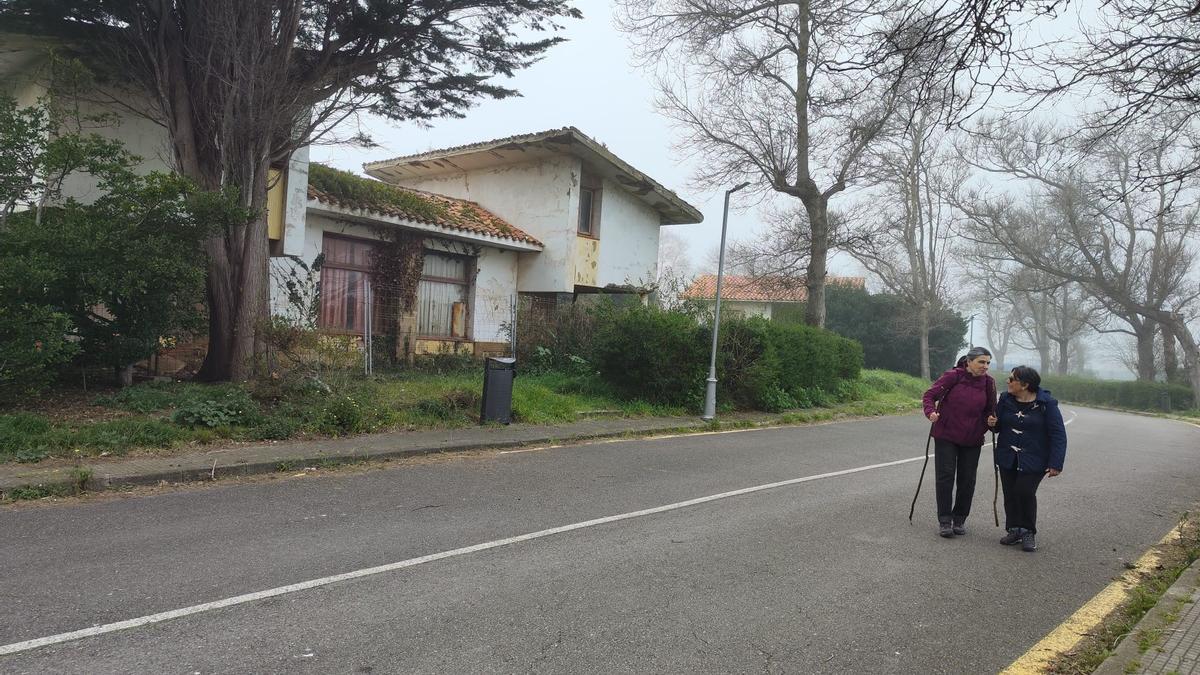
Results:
x,y
912,509
996,492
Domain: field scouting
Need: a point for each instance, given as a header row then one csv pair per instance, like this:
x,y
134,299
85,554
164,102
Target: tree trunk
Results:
x,y
1064,348
1170,356
814,281
1145,352
1044,358
237,288
923,327
125,376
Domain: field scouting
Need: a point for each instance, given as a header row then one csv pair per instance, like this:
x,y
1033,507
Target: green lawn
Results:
x,y
174,416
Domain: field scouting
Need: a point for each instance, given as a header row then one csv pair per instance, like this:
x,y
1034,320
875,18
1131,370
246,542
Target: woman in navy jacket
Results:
x,y
1032,446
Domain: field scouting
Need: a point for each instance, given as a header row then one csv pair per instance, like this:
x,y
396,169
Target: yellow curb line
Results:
x,y
1071,632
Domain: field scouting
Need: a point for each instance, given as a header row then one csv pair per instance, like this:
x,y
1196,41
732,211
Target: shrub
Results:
x,y
651,354
219,407
561,337
340,415
33,348
275,428
1158,396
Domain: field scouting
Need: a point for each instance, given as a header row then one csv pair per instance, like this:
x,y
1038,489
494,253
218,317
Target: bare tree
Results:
x,y
240,84
909,220
1129,247
788,95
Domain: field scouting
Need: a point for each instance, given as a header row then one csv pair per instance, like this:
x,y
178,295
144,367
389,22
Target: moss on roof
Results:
x,y
371,194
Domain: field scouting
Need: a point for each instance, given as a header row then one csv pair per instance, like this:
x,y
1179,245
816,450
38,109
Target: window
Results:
x,y
589,206
586,197
343,283
441,292
442,296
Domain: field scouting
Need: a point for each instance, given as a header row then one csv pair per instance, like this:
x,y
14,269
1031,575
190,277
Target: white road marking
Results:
x,y
1073,416
160,617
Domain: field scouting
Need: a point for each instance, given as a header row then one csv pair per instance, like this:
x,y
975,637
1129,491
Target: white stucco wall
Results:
x,y
542,198
491,295
744,308
140,136
628,234
539,197
495,289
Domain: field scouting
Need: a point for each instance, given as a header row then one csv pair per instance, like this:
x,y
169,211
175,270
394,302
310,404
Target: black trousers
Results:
x,y
954,465
1020,498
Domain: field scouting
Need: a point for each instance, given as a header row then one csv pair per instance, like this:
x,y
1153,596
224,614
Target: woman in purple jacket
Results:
x,y
961,405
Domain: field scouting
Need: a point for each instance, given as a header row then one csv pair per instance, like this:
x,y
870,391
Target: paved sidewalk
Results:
x,y
103,473
1178,649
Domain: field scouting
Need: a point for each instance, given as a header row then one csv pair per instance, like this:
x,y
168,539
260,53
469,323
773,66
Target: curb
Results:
x,y
271,459
1128,653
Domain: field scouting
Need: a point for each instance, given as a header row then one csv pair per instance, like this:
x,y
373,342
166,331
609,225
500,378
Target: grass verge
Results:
x,y
1177,555
166,418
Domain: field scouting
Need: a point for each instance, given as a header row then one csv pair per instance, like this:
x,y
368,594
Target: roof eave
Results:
x,y
369,217
672,210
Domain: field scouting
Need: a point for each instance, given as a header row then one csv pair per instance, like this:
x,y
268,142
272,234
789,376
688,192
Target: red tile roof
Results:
x,y
419,206
760,289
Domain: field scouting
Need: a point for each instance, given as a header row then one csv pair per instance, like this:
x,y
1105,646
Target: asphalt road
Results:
x,y
817,575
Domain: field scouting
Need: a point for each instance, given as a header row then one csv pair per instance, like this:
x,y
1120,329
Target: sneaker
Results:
x,y
945,529
1014,536
959,527
1028,544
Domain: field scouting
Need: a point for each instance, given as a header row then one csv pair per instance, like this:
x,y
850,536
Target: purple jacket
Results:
x,y
966,403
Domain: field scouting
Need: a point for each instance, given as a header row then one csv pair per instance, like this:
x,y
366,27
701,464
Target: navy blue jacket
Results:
x,y
1036,439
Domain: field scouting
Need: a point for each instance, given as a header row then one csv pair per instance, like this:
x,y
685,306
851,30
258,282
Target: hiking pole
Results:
x,y
912,509
996,492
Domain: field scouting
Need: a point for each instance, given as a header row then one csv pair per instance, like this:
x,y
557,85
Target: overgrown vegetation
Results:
x,y
161,416
1177,556
98,284
372,194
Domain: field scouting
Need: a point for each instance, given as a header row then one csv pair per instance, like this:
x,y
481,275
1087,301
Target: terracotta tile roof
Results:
x,y
761,289
341,188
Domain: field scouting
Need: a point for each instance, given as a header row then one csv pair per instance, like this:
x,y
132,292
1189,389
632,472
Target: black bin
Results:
x,y
498,374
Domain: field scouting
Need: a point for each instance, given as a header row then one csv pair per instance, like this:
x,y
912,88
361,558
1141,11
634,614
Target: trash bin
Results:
x,y
498,374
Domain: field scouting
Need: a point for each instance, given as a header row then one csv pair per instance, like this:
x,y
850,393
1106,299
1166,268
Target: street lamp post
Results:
x,y
710,392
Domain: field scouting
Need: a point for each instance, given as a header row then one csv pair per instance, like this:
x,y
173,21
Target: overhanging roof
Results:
x,y
672,209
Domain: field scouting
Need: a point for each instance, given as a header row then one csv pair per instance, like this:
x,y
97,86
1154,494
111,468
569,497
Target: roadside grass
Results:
x,y
161,416
1177,556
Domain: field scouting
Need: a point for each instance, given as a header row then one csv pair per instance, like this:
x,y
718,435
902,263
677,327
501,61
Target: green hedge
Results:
x,y
1121,394
662,357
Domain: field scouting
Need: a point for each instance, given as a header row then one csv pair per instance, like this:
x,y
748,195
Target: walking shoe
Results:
x,y
1027,542
959,527
1014,536
945,529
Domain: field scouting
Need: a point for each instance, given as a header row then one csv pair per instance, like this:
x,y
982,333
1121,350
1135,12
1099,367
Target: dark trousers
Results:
x,y
954,465
1020,498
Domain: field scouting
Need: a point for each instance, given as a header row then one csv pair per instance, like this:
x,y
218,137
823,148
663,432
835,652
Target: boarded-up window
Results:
x,y
442,296
343,283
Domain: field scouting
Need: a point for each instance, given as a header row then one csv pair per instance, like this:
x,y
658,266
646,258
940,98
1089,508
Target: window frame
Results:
x,y
466,283
328,263
592,185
